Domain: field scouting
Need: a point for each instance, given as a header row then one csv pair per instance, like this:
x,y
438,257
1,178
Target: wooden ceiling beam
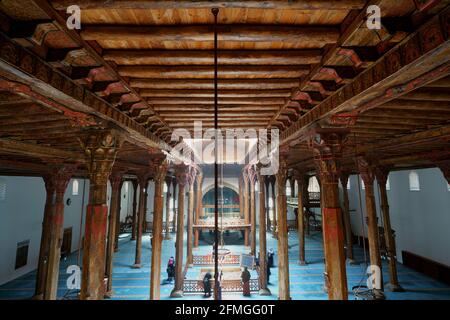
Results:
x,y
408,140
38,151
441,83
428,94
221,118
314,36
350,29
407,114
383,125
206,57
9,129
184,4
398,120
60,21
193,115
237,84
210,93
405,104
180,109
207,72
222,101
395,75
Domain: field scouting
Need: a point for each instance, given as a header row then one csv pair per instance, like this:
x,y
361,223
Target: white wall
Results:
x,y
421,219
21,217
22,213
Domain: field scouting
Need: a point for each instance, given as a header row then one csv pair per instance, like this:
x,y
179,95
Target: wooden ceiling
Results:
x,y
146,68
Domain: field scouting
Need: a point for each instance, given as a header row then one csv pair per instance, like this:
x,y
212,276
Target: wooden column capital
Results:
x,y
182,175
445,168
281,177
367,170
381,174
344,176
328,145
116,178
160,168
143,177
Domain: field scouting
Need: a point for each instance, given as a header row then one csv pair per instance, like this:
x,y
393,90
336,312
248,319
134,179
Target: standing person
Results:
x,y
207,284
270,255
170,269
245,276
268,275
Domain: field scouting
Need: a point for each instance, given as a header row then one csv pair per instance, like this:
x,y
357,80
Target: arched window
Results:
x,y
166,187
2,189
414,183
126,187
448,186
313,185
75,187
349,184
288,189
388,184
295,188
363,186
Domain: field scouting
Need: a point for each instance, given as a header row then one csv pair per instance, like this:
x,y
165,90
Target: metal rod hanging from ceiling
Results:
x,y
215,12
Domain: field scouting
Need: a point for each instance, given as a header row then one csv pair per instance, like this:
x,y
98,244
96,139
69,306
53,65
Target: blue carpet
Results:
x,y
306,282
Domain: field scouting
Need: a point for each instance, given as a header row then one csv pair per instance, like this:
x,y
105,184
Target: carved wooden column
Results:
x,y
61,178
246,208
143,178
252,181
382,174
300,177
263,290
100,150
274,211
283,255
117,224
45,239
346,218
327,145
306,205
199,207
190,219
241,199
182,174
368,176
266,187
174,202
445,168
167,224
114,211
155,271
134,220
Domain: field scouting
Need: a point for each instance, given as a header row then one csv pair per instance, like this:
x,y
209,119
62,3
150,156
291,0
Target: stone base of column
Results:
x,y
394,288
264,292
167,237
109,294
275,235
39,296
116,249
176,293
302,263
136,266
133,239
379,294
353,262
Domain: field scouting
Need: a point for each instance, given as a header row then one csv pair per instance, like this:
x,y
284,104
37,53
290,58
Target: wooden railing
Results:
x,y
196,286
231,259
